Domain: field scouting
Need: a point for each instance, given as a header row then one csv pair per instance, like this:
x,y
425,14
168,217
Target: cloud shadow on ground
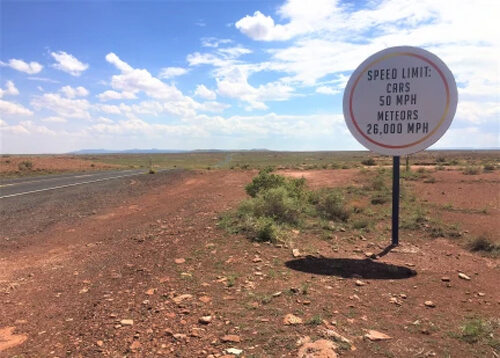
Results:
x,y
350,268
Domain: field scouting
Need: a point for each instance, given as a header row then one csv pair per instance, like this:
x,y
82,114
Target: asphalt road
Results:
x,y
25,186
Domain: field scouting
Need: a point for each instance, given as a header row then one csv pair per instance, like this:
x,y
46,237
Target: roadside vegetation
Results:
x,y
278,205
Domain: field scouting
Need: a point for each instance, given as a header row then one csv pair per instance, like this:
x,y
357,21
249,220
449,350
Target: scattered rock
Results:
x,y
135,345
180,261
234,351
463,276
205,299
150,292
205,319
180,336
291,319
179,299
99,343
8,339
360,283
127,322
445,279
374,336
331,333
322,348
232,338
296,253
430,304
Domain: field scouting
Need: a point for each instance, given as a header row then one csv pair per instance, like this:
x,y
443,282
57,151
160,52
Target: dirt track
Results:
x,y
68,281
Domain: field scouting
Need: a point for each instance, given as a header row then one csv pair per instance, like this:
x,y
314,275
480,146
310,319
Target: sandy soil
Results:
x,y
149,274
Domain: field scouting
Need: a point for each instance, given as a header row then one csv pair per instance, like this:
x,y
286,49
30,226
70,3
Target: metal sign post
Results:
x,y
400,101
395,201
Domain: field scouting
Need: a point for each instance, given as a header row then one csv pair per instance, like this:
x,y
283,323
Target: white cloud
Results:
x,y
33,128
203,92
14,108
19,65
3,123
214,42
104,120
71,92
16,130
135,80
261,27
119,64
235,85
171,72
212,106
54,120
64,107
108,108
43,79
68,63
10,89
327,90
113,95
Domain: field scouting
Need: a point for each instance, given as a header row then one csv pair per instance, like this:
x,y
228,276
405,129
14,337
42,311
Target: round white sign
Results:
x,y
400,101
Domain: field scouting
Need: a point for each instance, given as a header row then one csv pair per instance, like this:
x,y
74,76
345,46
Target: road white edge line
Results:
x,y
67,186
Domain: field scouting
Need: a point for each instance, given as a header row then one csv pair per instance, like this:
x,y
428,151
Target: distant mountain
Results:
x,y
161,151
128,151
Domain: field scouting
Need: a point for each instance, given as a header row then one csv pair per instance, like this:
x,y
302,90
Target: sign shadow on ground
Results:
x,y
350,268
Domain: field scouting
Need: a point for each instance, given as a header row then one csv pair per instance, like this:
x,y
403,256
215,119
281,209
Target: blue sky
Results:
x,y
224,74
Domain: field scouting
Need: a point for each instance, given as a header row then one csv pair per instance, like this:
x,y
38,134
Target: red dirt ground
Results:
x,y
160,261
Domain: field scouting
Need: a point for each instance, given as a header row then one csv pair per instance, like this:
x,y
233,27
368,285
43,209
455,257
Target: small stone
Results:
x,y
99,343
445,279
481,294
180,261
430,304
205,299
205,319
373,335
234,351
323,348
127,322
291,319
179,299
463,276
135,345
180,336
360,283
296,253
150,292
257,259
232,338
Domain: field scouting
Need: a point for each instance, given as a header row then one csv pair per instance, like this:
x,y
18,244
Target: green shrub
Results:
x,y
25,165
378,183
484,244
266,180
278,204
472,170
489,167
369,162
330,205
267,230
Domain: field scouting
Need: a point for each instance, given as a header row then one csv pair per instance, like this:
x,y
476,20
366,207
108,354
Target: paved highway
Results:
x,y
16,187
